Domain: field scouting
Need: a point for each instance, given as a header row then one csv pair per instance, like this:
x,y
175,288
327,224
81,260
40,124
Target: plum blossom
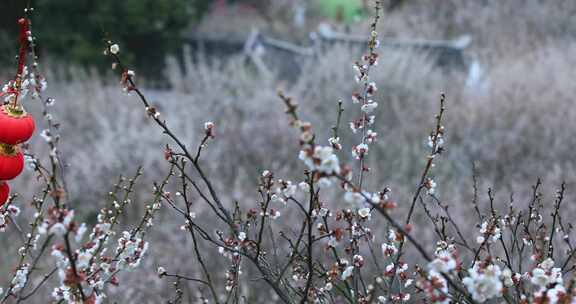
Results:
x,y
389,249
114,49
354,197
430,186
304,186
557,294
545,274
359,151
321,159
209,129
371,136
364,213
490,232
444,262
131,249
20,278
371,89
335,143
347,273
435,287
484,283
369,107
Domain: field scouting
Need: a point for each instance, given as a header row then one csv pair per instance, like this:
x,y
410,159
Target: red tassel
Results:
x,y
16,126
4,193
24,28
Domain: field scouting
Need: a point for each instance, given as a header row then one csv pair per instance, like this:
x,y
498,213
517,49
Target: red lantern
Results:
x,y
11,162
16,126
4,192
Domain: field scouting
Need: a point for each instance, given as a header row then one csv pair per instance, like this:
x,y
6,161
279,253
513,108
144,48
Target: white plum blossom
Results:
x,y
208,125
242,236
57,229
83,259
436,288
80,232
275,198
274,214
335,143
392,235
323,212
507,277
304,186
484,283
358,261
347,273
131,249
369,107
332,242
62,293
61,260
389,249
489,232
480,239
546,274
30,162
371,136
354,197
290,190
20,278
402,268
557,293
324,183
322,159
266,173
430,186
389,268
371,89
11,211
356,98
161,271
114,49
209,129
444,262
364,213
359,151
45,134
3,222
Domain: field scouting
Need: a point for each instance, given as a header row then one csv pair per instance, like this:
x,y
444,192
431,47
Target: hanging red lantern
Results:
x,y
4,192
11,162
16,126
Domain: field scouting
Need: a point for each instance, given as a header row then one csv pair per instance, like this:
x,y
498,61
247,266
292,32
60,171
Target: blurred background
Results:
x,y
507,68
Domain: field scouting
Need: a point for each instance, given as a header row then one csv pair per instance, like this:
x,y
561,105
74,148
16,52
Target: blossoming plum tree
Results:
x,y
334,253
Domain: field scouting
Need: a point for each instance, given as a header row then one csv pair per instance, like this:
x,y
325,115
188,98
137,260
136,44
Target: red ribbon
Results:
x,y
24,29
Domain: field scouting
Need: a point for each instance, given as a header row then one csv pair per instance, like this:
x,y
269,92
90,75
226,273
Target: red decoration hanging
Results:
x,y
24,30
16,126
4,193
11,162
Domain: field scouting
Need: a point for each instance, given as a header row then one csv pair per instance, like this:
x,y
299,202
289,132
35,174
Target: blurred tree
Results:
x,y
9,29
74,30
394,4
345,11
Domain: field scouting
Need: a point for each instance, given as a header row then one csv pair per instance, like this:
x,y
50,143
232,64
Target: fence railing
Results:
x,y
446,53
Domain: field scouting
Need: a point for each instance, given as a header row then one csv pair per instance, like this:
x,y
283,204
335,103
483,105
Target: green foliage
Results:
x,y
342,10
75,30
